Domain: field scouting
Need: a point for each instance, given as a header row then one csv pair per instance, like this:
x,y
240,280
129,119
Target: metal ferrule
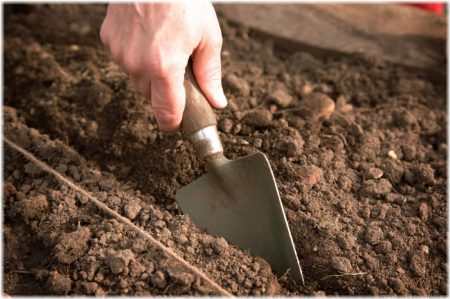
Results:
x,y
207,143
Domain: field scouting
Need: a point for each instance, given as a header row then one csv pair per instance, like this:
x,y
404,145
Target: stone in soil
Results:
x,y
373,173
424,211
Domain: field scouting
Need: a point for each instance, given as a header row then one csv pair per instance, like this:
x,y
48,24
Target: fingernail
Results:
x,y
220,98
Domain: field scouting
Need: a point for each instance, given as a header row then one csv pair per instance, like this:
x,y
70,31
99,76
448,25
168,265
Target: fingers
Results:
x,y
168,100
207,70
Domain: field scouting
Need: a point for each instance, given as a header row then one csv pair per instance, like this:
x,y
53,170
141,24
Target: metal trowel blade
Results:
x,y
239,200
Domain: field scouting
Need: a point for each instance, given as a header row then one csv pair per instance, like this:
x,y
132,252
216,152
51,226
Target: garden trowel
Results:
x,y
235,199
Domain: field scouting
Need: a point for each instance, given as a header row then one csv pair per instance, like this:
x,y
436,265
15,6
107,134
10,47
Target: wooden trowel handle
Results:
x,y
199,121
198,113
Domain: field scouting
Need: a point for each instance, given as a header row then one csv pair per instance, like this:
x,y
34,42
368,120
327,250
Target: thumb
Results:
x,y
208,72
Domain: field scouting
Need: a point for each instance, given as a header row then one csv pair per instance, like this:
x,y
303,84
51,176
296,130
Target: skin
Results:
x,y
152,42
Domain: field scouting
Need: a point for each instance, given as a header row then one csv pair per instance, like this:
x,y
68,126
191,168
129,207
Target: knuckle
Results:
x,y
130,63
164,65
160,68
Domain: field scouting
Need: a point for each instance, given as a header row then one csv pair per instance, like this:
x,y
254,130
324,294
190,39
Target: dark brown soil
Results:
x,y
358,147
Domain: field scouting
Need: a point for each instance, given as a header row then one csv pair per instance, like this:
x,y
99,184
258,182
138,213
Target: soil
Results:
x,y
358,147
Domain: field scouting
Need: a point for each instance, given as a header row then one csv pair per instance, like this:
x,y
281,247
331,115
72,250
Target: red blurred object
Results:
x,y
435,7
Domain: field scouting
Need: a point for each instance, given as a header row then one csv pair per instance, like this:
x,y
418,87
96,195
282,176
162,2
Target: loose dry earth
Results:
x,y
358,147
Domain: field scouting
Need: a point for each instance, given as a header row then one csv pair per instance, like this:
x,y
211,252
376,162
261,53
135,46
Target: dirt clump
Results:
x,y
259,118
72,246
59,284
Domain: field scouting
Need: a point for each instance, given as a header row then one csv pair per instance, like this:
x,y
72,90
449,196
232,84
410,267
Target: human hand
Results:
x,y
152,42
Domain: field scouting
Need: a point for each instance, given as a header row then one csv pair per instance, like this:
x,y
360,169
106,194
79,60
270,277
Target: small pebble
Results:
x,y
374,173
92,127
425,249
392,155
306,89
423,211
243,142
